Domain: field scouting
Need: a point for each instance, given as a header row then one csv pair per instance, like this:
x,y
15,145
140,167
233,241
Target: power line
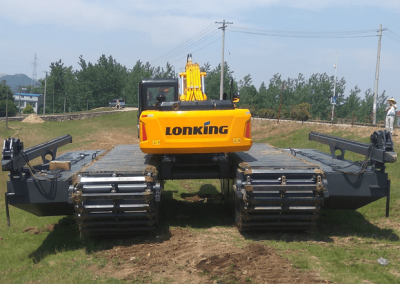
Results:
x,y
393,33
208,33
300,34
183,44
393,36
181,50
204,33
199,49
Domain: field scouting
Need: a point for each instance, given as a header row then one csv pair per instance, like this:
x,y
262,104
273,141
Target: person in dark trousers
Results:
x,y
390,115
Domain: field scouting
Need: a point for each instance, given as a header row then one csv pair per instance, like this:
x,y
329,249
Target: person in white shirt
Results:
x,y
390,115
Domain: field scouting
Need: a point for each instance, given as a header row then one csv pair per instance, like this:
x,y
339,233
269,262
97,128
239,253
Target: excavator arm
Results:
x,y
192,85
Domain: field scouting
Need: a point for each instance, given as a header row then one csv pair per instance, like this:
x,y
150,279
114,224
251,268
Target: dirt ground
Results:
x,y
188,256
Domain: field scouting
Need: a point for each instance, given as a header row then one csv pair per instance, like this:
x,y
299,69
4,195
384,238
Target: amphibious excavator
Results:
x,y
183,135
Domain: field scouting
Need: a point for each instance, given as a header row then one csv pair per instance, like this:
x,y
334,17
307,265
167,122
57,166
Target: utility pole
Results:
x,y
221,88
44,99
19,104
334,90
377,75
5,83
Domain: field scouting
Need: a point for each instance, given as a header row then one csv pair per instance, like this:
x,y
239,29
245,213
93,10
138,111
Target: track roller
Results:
x,y
263,202
115,204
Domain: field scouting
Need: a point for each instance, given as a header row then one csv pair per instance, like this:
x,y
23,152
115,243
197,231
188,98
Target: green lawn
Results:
x,y
344,248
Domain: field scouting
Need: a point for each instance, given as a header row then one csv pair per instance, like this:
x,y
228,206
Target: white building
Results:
x,y
21,100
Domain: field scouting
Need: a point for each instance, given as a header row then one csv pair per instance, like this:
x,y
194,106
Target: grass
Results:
x,y
59,255
343,249
348,243
298,137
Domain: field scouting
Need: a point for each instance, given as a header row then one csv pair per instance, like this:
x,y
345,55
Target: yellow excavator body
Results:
x,y
205,131
190,123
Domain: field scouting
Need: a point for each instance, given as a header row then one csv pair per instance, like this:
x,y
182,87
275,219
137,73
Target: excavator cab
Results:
x,y
153,91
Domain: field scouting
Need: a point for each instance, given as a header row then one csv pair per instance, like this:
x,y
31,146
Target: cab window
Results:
x,y
152,92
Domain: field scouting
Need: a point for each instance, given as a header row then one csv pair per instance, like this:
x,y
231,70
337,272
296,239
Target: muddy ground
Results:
x,y
188,256
213,255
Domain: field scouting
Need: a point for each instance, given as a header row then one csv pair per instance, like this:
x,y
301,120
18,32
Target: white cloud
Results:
x,y
140,14
72,13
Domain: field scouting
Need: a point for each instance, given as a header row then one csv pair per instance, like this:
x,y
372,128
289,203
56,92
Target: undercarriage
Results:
x,y
265,188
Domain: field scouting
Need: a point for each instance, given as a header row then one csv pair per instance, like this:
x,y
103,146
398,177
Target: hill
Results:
x,y
14,81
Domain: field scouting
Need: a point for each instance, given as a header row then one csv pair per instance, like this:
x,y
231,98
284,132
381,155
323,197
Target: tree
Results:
x,y
56,87
248,91
263,98
213,81
101,82
85,84
364,112
5,92
273,94
321,89
381,106
206,67
351,104
111,79
160,72
139,72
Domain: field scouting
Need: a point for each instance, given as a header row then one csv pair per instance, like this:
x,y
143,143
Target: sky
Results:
x,y
160,31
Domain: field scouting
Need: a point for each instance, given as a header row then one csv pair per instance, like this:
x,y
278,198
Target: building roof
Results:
x,y
26,94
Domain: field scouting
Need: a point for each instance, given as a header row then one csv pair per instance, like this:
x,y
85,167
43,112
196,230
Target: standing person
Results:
x,y
390,115
118,105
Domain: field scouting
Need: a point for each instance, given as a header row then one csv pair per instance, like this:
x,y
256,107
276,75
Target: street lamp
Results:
x,y
281,87
19,103
334,91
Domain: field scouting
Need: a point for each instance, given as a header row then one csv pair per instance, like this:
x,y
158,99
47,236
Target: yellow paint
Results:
x,y
156,142
192,82
156,129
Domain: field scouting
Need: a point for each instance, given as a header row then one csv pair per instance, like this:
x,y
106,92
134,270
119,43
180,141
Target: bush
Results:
x,y
251,108
300,112
367,119
284,114
267,113
28,109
